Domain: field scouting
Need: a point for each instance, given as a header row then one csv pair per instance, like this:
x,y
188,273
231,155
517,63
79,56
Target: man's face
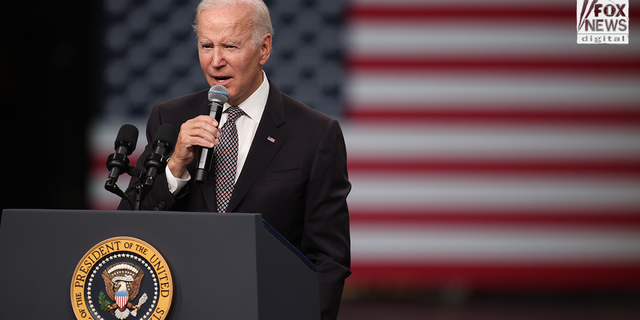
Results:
x,y
228,55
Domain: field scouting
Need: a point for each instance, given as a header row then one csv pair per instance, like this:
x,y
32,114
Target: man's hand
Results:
x,y
201,131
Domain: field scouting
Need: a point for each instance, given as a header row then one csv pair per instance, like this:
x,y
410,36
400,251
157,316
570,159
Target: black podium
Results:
x,y
224,266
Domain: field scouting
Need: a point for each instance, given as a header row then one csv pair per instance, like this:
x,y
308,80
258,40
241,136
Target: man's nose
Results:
x,y
217,59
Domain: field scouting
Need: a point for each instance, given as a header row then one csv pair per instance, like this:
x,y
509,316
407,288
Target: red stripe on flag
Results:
x,y
610,218
495,277
544,14
380,12
611,64
458,113
626,167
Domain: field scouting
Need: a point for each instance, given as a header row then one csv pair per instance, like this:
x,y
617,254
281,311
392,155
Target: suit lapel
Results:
x,y
263,149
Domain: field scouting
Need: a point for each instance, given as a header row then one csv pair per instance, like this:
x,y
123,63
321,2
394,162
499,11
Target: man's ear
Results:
x,y
265,49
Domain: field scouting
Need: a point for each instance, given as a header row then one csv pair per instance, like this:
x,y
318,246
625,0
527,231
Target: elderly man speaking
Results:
x,y
288,161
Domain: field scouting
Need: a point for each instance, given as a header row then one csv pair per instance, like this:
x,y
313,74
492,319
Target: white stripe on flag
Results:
x,y
393,243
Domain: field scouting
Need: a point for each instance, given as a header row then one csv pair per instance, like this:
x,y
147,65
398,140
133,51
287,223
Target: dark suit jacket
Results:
x,y
298,183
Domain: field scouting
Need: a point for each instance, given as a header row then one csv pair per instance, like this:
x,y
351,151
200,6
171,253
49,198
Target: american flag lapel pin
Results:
x,y
271,139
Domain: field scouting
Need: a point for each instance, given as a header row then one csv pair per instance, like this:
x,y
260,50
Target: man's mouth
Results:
x,y
222,79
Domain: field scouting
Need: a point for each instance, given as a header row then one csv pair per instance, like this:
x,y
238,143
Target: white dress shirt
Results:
x,y
247,125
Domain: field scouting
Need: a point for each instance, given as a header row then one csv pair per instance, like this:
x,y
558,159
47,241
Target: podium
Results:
x,y
224,266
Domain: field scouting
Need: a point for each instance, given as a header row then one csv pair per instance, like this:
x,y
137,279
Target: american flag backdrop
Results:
x,y
487,149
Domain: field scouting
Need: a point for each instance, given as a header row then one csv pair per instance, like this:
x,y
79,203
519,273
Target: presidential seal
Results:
x,y
122,278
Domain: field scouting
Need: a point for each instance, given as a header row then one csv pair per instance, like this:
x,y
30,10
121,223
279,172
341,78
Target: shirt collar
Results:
x,y
254,105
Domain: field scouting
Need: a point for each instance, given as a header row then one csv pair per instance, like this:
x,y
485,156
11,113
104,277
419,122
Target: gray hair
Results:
x,y
259,14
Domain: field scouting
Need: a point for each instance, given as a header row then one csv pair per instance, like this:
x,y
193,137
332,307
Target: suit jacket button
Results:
x,y
160,206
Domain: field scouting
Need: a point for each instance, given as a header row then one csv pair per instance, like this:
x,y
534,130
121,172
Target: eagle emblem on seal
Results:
x,y
122,283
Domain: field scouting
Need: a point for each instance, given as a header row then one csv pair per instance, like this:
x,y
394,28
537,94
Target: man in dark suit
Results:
x,y
291,159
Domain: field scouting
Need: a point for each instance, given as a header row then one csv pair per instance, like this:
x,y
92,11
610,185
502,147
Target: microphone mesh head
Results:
x,y
218,93
167,134
128,136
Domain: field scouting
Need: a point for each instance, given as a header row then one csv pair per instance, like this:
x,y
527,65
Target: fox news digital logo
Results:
x,y
603,21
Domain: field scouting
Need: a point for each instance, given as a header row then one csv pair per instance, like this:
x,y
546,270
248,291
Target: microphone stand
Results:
x,y
141,191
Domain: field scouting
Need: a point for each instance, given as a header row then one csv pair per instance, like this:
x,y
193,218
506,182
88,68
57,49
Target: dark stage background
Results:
x,y
49,80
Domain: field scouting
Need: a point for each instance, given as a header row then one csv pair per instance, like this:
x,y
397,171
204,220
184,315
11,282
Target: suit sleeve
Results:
x,y
326,239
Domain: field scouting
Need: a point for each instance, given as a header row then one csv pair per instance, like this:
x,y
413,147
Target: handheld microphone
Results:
x,y
218,95
163,143
118,163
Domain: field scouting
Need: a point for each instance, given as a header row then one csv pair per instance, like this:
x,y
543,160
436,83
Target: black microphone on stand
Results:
x,y
118,163
163,143
218,95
